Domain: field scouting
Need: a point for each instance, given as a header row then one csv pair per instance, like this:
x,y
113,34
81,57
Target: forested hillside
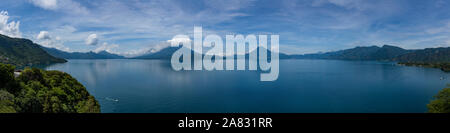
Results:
x,y
23,52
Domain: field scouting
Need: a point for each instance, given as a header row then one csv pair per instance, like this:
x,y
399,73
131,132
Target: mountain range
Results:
x,y
385,52
166,53
82,55
23,52
376,53
429,57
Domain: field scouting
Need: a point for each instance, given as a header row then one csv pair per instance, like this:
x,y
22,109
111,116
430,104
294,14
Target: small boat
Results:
x,y
112,99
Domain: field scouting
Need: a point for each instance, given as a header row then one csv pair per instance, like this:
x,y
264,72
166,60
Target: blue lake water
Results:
x,y
303,86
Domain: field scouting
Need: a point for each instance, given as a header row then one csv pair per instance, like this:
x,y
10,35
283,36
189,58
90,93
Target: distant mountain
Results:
x,y
81,55
429,57
280,55
166,53
23,52
385,52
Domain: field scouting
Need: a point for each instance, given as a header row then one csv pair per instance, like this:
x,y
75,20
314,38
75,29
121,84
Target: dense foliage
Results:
x,y
441,103
39,91
23,52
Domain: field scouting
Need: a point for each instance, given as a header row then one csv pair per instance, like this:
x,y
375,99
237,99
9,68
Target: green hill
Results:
x,y
23,52
429,57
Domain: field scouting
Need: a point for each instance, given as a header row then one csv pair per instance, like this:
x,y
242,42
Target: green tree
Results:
x,y
441,103
6,76
6,102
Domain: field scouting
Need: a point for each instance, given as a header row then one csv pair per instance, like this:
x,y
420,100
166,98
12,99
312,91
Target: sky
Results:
x,y
133,27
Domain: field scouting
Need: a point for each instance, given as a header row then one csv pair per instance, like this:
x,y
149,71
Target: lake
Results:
x,y
303,86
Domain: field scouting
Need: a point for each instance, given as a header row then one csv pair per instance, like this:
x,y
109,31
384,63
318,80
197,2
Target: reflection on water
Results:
x,y
303,86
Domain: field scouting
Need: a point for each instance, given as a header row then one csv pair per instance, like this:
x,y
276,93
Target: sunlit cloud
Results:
x,y
9,28
43,35
92,39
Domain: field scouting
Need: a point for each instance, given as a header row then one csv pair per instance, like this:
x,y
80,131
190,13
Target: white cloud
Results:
x,y
447,43
183,40
424,42
58,38
145,50
439,29
43,35
9,29
136,52
46,4
159,47
53,43
229,5
152,21
67,6
106,47
349,4
45,39
92,39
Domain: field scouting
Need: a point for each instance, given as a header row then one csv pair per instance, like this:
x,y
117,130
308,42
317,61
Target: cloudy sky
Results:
x,y
131,27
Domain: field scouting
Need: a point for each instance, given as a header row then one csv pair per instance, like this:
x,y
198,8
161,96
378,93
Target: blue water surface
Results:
x,y
303,86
